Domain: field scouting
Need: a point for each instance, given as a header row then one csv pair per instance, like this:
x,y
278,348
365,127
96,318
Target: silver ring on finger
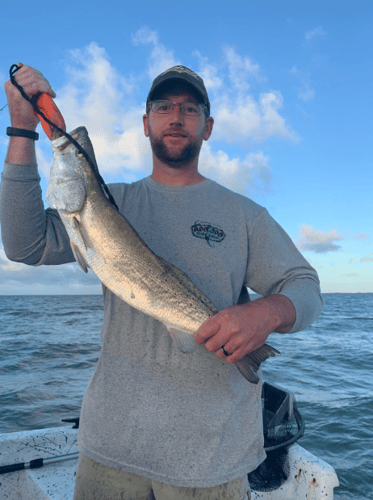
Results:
x,y
225,352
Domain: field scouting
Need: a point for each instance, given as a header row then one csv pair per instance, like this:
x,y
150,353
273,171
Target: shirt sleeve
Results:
x,y
30,234
275,266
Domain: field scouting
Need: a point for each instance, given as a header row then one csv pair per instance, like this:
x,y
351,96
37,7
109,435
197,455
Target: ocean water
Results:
x,y
49,347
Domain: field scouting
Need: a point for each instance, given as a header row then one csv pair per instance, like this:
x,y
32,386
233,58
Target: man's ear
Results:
x,y
145,120
209,127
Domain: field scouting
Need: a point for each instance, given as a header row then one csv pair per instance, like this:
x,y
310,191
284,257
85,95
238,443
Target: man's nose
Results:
x,y
176,114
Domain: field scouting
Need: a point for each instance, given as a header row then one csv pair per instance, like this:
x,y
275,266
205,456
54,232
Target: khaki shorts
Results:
x,y
95,481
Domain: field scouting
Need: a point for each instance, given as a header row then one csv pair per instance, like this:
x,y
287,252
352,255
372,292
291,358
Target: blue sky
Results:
x,y
290,85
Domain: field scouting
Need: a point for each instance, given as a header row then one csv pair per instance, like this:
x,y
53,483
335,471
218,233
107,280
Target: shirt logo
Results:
x,y
208,232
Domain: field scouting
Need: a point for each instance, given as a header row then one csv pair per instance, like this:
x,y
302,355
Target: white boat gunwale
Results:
x,y
310,477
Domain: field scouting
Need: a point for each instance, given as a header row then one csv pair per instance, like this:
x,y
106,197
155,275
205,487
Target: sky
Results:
x,y
290,86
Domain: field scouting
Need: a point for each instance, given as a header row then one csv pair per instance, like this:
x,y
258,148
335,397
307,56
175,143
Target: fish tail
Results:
x,y
250,364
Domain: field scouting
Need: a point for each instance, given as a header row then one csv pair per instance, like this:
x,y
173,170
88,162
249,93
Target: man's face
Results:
x,y
176,139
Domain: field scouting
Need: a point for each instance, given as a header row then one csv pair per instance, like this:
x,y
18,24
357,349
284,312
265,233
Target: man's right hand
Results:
x,y
21,112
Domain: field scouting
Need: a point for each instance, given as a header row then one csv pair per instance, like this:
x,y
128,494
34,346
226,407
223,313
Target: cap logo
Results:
x,y
183,69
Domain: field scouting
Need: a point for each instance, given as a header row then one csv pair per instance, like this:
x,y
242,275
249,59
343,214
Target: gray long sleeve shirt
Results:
x,y
191,419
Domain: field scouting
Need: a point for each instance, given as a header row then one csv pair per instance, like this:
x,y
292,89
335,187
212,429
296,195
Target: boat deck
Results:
x,y
310,477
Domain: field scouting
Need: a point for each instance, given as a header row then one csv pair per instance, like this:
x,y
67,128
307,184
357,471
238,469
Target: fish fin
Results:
x,y
78,231
79,258
184,341
250,364
247,370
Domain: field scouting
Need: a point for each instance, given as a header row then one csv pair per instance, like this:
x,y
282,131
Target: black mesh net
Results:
x,y
282,426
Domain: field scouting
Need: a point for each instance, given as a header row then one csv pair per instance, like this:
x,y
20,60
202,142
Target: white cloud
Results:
x,y
99,98
245,176
209,73
67,278
246,121
241,117
313,240
305,92
241,69
161,58
316,32
144,36
7,265
44,157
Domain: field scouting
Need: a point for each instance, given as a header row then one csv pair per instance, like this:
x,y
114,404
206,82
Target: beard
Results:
x,y
175,159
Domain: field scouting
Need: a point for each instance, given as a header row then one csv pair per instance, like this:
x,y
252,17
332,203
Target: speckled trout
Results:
x,y
103,240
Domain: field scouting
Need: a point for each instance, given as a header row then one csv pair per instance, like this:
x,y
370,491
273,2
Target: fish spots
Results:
x,y
193,303
133,296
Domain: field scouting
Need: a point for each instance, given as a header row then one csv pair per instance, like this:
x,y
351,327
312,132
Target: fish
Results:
x,y
103,240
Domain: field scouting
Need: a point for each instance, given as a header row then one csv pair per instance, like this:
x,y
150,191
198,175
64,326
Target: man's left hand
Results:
x,y
245,327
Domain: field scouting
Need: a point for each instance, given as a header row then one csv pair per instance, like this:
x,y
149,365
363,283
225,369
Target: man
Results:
x,y
157,423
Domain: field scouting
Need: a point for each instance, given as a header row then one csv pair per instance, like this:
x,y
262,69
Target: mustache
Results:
x,y
175,130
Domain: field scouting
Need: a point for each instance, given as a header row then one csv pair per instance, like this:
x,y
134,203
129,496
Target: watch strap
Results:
x,y
21,132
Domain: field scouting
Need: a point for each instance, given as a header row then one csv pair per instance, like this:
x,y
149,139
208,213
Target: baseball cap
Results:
x,y
183,74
